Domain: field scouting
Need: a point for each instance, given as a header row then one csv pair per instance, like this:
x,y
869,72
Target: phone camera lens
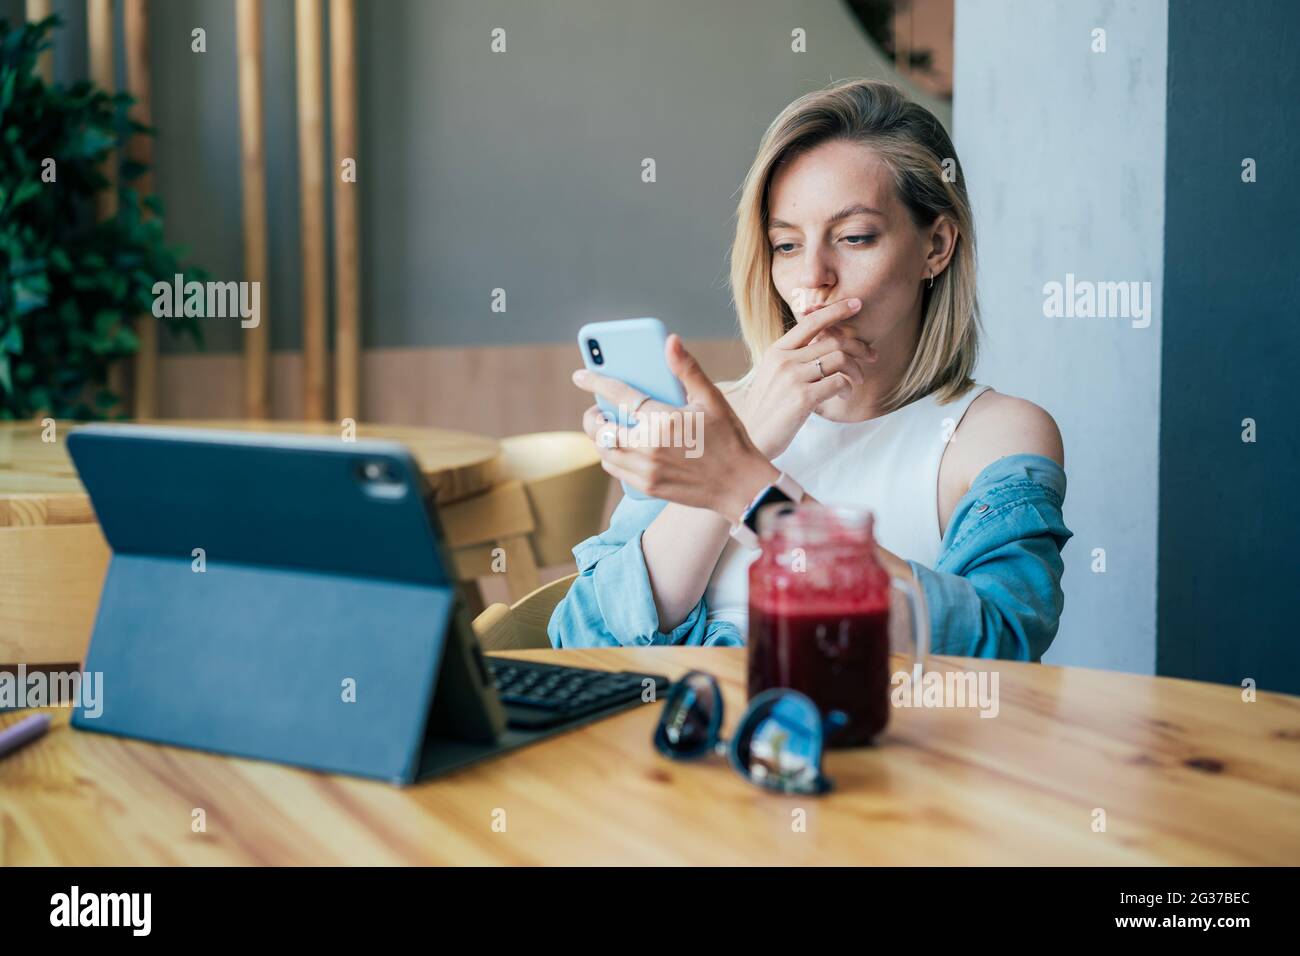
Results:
x,y
594,347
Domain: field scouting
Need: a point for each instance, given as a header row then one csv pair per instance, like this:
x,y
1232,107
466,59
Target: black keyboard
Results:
x,y
543,695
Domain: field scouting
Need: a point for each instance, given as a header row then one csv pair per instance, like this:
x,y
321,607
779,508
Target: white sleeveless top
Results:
x,y
888,465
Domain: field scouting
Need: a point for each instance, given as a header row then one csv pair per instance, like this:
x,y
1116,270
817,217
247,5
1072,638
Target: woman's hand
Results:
x,y
698,455
788,384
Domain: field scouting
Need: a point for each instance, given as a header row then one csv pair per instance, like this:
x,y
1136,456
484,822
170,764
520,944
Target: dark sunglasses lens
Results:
x,y
779,745
688,716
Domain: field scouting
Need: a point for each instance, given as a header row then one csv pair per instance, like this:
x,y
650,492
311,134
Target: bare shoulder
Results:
x,y
998,425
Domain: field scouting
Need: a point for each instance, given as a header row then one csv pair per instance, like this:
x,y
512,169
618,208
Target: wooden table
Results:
x,y
1187,773
52,555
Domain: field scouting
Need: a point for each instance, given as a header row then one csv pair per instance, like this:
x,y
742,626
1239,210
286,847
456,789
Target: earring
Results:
x,y
931,285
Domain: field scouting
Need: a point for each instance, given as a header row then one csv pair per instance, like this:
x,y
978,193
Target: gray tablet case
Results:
x,y
284,598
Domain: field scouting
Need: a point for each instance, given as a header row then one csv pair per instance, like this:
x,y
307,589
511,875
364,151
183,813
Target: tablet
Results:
x,y
284,598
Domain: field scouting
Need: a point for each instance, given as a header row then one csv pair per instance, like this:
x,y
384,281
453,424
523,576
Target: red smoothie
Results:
x,y
819,618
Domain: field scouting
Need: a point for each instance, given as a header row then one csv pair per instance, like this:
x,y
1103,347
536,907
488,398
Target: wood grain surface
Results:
x,y
456,464
53,557
1187,773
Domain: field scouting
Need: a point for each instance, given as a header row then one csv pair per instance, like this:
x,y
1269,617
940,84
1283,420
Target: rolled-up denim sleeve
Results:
x,y
611,604
1008,605
996,589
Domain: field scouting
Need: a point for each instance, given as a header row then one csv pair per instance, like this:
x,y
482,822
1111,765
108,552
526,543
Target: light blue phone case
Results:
x,y
633,352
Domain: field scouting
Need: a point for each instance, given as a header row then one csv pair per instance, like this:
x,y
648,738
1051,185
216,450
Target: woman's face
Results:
x,y
838,230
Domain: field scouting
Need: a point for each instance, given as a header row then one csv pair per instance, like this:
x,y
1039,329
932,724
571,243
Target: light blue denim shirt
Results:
x,y
995,590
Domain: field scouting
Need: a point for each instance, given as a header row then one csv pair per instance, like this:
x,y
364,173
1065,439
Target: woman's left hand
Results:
x,y
697,455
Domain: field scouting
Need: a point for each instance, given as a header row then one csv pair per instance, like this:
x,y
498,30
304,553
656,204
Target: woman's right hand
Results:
x,y
787,385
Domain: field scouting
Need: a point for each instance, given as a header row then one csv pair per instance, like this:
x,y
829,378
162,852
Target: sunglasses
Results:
x,y
778,744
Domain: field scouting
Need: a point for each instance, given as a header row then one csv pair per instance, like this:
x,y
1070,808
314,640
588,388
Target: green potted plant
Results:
x,y
71,287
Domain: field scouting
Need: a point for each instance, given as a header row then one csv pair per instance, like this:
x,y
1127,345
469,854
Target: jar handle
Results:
x,y
911,588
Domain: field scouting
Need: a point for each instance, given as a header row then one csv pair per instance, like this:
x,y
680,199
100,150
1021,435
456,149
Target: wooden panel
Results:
x,y
568,508
49,591
311,186
255,402
489,390
99,35
502,511
520,565
135,22
501,518
473,561
347,281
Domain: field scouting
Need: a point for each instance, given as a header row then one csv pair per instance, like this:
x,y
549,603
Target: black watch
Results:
x,y
784,488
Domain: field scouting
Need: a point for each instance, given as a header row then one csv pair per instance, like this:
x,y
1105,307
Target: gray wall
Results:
x,y
1229,511
525,166
1064,150
518,170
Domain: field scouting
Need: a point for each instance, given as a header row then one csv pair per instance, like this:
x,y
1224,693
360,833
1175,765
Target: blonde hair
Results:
x,y
915,147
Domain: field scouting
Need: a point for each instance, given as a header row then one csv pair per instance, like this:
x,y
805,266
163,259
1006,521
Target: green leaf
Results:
x,y
7,90
127,341
12,340
24,192
70,284
106,324
31,293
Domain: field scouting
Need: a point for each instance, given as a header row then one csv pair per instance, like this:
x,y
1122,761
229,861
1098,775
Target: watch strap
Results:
x,y
784,488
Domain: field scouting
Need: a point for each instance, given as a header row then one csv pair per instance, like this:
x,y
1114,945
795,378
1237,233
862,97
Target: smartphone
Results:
x,y
632,351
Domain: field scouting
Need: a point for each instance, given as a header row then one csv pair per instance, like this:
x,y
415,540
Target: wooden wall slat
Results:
x,y
311,178
492,390
99,36
135,22
99,39
347,305
256,364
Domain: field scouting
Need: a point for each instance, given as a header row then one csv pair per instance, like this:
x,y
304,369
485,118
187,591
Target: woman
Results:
x,y
853,274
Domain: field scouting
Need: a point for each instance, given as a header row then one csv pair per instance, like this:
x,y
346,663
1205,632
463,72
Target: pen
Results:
x,y
23,732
